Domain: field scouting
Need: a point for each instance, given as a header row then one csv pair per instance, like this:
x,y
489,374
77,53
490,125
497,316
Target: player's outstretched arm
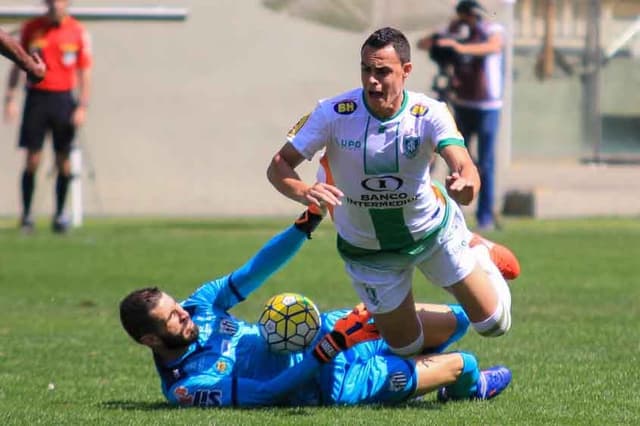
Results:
x,y
275,253
12,50
235,287
463,183
282,175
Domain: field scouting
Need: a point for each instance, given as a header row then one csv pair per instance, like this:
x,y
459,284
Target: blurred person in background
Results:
x,y
57,104
470,52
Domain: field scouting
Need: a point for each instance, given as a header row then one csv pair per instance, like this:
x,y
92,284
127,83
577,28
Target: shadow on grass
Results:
x,y
157,406
199,224
289,411
137,405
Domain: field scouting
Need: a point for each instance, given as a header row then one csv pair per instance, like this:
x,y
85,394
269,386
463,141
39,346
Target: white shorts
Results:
x,y
382,287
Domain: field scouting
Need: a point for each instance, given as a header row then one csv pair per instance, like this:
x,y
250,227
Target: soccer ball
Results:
x,y
289,322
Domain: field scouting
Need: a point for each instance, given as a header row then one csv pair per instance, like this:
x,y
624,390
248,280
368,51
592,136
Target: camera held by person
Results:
x,y
439,45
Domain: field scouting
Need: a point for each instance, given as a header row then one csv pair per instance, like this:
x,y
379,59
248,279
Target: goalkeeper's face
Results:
x,y
175,327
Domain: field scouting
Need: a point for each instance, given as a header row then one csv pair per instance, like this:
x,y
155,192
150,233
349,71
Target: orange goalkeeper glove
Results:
x,y
309,220
349,330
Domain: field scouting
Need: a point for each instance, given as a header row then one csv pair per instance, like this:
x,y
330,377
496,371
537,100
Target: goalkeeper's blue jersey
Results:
x,y
230,364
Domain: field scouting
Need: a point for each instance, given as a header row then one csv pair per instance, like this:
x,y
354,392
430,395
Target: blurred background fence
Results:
x,y
186,115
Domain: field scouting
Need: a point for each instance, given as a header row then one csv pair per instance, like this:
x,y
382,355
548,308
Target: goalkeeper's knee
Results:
x,y
497,324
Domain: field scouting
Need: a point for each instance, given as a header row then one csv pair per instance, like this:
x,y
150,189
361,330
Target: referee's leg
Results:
x,y
32,134
63,132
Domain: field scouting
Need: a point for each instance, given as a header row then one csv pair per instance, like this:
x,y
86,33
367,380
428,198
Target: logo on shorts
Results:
x,y
397,381
372,294
345,107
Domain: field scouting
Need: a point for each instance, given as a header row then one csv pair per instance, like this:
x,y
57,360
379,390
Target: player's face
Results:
x,y
57,9
468,19
176,329
383,77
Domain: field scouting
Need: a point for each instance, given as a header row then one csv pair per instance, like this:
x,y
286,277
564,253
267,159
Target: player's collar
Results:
x,y
405,100
55,24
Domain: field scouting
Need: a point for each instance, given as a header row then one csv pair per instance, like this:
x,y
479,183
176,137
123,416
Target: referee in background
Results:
x,y
58,104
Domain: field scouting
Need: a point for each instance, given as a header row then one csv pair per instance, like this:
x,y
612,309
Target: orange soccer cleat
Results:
x,y
501,256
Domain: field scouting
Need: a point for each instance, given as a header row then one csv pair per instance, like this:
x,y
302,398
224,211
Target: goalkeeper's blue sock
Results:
x,y
462,324
465,386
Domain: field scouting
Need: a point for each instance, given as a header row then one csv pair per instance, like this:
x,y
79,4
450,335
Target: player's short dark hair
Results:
x,y
470,7
134,312
390,36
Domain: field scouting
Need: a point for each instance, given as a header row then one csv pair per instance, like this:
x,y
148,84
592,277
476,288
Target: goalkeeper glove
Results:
x,y
349,330
309,220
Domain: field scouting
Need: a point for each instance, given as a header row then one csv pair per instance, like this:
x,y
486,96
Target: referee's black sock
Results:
x,y
62,185
28,185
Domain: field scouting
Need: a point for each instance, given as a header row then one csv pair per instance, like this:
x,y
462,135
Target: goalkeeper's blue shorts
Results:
x,y
368,373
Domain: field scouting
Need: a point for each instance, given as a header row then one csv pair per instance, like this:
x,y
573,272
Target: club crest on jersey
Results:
x,y
296,127
221,367
69,54
410,145
418,110
345,107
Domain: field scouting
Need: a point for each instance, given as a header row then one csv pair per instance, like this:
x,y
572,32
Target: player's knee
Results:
x,y
412,348
497,324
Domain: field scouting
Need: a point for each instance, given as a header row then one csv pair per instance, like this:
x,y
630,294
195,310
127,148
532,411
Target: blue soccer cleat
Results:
x,y
491,383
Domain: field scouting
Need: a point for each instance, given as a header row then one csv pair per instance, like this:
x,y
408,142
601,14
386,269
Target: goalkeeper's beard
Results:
x,y
180,341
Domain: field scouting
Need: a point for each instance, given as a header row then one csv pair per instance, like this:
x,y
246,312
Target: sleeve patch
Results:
x,y
296,128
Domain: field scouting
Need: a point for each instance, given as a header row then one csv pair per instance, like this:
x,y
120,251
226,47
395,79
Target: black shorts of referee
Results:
x,y
46,111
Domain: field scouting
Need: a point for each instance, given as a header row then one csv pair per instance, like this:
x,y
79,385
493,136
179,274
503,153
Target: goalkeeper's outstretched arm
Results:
x,y
276,253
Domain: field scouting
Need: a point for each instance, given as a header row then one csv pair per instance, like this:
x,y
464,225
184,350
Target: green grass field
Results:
x,y
574,347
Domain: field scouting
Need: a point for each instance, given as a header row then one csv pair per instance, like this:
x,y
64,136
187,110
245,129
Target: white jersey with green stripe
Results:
x,y
381,165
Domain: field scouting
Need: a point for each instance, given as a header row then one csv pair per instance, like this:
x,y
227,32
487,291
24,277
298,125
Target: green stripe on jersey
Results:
x,y
381,150
450,141
391,230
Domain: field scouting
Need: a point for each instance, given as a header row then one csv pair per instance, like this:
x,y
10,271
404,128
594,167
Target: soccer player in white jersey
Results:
x,y
377,143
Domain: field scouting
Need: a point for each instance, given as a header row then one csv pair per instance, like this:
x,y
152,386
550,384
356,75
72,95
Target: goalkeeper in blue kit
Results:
x,y
206,357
